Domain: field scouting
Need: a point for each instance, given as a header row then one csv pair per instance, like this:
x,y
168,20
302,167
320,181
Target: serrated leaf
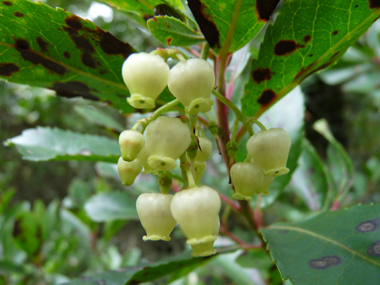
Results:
x,y
173,32
145,9
44,143
222,24
98,117
111,206
55,49
339,247
146,273
307,36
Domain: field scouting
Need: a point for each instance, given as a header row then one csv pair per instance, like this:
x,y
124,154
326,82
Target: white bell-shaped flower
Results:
x,y
143,156
146,76
204,150
128,171
205,249
166,139
196,211
200,168
247,178
131,143
270,149
155,215
191,82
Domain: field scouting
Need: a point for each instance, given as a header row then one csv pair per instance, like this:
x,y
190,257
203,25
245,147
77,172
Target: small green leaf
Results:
x,y
55,49
44,143
111,206
173,32
223,25
338,247
98,117
307,36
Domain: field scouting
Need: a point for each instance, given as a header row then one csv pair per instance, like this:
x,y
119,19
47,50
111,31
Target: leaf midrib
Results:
x,y
325,239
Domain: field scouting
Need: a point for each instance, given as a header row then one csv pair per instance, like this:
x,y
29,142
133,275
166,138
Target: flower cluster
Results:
x,y
162,141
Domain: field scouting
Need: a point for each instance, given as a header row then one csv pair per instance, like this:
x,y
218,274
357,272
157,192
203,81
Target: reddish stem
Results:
x,y
228,201
225,231
335,205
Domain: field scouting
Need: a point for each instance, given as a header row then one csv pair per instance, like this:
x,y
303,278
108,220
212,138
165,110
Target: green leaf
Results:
x,y
310,180
339,247
111,206
98,117
307,36
55,49
44,143
231,24
146,273
339,162
173,32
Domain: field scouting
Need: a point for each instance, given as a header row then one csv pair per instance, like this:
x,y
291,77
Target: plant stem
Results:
x,y
156,114
239,115
243,244
205,50
228,201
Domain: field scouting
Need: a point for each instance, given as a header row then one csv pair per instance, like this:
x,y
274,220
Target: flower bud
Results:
x,y
270,149
128,171
155,216
191,82
196,211
204,150
166,139
247,178
200,168
131,143
146,76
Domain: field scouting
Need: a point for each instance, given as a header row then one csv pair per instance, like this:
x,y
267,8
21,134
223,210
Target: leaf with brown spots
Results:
x,y
329,248
217,20
173,32
307,36
144,10
69,55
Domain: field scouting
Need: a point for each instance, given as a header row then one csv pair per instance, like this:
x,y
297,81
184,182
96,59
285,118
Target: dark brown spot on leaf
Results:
x,y
311,55
368,226
80,41
204,20
356,6
103,71
261,74
284,47
7,3
6,69
74,23
266,97
67,54
374,4
22,46
306,38
88,60
73,89
166,10
335,32
111,45
265,8
18,14
42,44
374,249
325,262
169,40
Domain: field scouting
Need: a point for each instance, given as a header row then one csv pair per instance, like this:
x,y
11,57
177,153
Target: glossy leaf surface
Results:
x,y
44,143
339,247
